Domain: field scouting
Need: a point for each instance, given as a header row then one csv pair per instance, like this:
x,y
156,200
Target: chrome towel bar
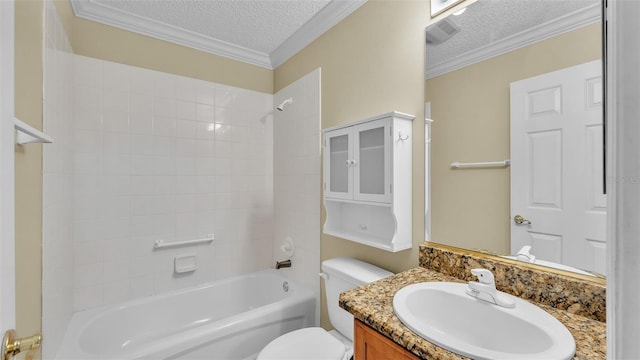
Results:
x,y
503,163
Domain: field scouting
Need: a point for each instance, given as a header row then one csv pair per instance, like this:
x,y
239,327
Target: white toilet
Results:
x,y
315,343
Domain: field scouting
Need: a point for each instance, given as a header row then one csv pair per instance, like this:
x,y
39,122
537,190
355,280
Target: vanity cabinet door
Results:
x,y
371,345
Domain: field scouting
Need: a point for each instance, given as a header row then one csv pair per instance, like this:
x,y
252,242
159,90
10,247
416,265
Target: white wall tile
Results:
x,y
141,185
141,286
164,145
140,144
141,81
164,126
115,100
185,128
87,118
185,89
163,106
185,109
115,121
186,147
88,71
116,76
88,97
140,104
206,148
87,297
205,92
164,165
163,85
141,165
117,291
115,143
140,123
142,205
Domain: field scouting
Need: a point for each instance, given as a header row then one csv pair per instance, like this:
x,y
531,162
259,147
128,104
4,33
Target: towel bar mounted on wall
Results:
x,y
27,134
486,164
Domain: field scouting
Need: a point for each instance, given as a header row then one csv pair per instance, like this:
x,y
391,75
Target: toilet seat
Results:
x,y
308,343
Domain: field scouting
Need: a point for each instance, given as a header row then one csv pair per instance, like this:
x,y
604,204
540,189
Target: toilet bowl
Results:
x,y
315,343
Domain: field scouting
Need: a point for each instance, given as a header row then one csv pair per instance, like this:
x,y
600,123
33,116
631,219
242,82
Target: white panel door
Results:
x,y
557,167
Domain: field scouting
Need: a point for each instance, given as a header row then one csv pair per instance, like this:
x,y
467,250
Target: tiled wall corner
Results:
x,y
297,180
577,295
57,260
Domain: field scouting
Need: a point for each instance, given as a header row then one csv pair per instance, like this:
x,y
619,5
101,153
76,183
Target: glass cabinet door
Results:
x,y
339,164
372,177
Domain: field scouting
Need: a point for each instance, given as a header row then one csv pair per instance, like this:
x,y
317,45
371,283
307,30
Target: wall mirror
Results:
x,y
518,81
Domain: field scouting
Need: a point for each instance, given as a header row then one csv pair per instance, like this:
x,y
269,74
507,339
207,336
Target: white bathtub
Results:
x,y
227,319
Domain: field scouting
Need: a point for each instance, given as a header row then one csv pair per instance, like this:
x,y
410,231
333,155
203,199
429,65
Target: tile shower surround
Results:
x,y
159,156
141,155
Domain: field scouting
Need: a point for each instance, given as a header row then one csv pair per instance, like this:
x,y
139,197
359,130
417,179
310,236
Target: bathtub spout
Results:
x,y
283,264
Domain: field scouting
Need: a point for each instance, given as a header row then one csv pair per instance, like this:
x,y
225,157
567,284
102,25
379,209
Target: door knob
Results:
x,y
518,219
12,346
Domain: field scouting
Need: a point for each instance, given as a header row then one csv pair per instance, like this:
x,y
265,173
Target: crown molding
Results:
x,y
325,19
569,22
90,10
329,16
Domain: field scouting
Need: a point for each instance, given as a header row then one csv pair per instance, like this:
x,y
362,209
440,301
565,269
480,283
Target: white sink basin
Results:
x,y
445,315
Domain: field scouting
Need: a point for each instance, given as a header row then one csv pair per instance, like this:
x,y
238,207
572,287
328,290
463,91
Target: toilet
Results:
x,y
315,343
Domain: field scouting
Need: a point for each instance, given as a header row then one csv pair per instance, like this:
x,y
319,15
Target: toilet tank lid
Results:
x,y
353,270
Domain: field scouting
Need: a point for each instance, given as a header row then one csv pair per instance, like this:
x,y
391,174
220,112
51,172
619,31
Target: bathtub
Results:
x,y
227,319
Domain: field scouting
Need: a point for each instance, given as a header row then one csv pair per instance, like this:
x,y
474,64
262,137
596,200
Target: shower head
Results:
x,y
282,104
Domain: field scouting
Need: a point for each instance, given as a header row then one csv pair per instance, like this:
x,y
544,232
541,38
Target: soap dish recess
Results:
x,y
185,263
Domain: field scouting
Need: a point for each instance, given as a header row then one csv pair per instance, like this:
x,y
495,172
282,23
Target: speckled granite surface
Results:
x,y
373,305
579,295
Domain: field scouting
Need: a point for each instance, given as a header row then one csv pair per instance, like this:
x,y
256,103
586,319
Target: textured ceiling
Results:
x,y
489,21
260,25
261,32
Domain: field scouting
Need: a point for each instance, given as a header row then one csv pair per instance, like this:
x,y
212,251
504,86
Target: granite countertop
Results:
x,y
373,305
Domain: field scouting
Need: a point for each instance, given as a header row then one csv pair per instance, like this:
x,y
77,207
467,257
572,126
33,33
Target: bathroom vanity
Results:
x,y
577,303
369,344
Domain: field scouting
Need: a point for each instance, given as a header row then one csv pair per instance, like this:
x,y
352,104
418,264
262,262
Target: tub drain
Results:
x,y
285,286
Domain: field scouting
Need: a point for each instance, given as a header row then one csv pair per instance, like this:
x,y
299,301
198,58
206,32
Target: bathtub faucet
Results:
x,y
283,264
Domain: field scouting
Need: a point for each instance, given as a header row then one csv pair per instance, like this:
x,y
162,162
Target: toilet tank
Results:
x,y
344,274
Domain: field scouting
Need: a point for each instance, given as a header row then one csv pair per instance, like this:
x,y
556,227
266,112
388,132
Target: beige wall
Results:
x,y
108,43
470,108
28,166
372,62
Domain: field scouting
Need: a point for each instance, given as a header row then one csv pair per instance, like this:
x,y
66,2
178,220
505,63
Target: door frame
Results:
x,y
623,177
7,172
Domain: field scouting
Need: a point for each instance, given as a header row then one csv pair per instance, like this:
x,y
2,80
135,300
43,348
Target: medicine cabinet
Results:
x,y
367,181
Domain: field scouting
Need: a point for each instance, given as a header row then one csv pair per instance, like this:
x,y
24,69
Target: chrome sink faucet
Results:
x,y
485,289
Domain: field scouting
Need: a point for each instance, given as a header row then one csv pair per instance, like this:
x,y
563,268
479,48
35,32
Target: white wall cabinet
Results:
x,y
367,181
